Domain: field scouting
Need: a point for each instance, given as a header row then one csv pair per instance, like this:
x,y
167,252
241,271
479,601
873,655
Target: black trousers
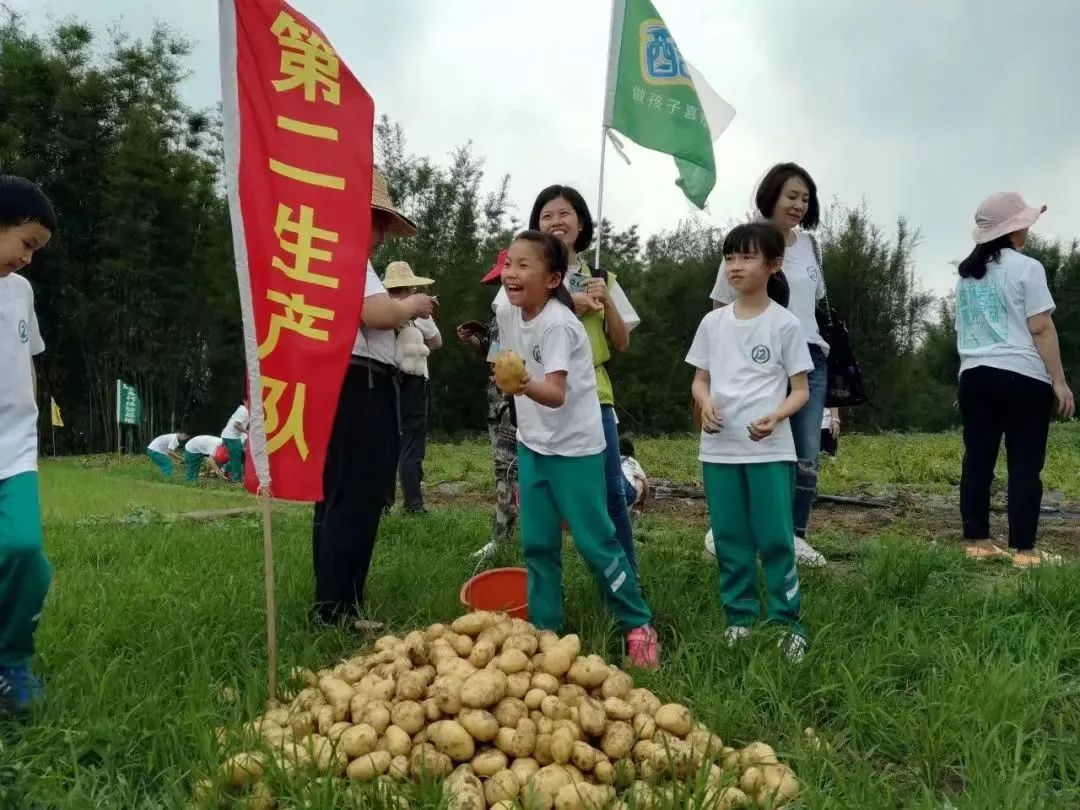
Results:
x,y
996,403
360,461
413,407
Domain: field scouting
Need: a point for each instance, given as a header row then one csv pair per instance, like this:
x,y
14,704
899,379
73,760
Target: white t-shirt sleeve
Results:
x,y
624,307
722,291
37,345
1037,298
555,348
796,352
427,328
373,284
174,442
500,301
698,356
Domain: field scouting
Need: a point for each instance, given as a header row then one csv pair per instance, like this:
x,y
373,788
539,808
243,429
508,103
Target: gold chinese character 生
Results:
x,y
279,432
303,249
307,61
297,317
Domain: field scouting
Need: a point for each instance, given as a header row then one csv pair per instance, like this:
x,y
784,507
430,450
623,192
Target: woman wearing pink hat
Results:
x,y
1010,375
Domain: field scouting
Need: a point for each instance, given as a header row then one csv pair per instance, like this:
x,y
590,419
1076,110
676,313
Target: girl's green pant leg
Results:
x,y
25,573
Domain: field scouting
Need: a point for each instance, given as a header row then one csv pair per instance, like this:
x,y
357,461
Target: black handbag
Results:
x,y
845,387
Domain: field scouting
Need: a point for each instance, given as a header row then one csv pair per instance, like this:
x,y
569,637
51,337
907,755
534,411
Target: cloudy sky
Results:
x,y
918,108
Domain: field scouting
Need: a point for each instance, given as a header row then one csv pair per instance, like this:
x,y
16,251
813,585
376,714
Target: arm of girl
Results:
x,y
617,330
800,394
1044,333
711,421
549,392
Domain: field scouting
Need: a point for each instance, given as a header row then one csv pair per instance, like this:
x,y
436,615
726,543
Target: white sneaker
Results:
x,y
484,551
794,647
807,555
736,635
710,545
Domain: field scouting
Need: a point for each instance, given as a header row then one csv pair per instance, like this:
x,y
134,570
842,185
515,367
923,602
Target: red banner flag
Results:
x,y
298,155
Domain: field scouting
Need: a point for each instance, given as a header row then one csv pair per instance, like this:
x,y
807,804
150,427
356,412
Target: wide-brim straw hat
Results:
x,y
400,274
399,224
1003,213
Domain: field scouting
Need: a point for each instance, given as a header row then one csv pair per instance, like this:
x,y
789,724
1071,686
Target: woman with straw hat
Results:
x,y
415,340
363,452
1010,375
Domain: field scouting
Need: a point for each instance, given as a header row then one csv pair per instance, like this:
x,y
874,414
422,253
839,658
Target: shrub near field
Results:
x,y
932,681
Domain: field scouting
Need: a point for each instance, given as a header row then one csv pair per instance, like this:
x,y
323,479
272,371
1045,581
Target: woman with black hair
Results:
x,y
1010,375
608,318
787,197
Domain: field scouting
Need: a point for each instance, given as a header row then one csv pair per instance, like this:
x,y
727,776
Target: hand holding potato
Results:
x,y
510,374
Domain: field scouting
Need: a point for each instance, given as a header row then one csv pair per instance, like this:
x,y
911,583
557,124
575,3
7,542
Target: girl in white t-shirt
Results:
x,y
561,444
747,356
787,197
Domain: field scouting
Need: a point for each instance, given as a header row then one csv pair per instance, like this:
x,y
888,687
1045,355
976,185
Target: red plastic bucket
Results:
x,y
500,589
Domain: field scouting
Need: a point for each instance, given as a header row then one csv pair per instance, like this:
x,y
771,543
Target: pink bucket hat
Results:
x,y
1001,214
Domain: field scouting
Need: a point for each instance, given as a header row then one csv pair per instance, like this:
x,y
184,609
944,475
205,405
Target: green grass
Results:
x,y
934,681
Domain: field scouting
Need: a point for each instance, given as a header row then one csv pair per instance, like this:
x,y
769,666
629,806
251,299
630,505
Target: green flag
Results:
x,y
658,100
128,404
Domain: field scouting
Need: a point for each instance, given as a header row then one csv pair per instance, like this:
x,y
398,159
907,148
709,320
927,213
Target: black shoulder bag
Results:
x,y
845,386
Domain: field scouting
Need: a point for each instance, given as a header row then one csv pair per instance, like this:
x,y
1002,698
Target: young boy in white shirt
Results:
x,y
233,436
164,450
748,355
198,451
27,222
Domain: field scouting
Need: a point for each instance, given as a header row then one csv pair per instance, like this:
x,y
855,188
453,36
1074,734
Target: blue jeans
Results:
x,y
616,486
630,491
806,430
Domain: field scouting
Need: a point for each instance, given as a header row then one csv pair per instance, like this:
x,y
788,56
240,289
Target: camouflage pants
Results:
x,y
503,437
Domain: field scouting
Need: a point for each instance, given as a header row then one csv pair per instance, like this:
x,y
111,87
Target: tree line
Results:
x,y
139,283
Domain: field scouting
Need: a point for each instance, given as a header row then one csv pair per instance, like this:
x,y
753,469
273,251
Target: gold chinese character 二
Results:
x,y
307,61
297,317
279,432
303,249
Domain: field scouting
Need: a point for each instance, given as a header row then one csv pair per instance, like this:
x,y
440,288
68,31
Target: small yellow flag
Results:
x,y
57,421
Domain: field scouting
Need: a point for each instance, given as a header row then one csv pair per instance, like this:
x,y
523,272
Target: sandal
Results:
x,y
1033,558
986,550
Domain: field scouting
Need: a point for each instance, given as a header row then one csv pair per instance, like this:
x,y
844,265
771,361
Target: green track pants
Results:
x,y
235,467
25,573
555,488
750,514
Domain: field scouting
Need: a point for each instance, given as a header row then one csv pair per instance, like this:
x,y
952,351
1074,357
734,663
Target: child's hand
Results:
x,y
711,421
763,428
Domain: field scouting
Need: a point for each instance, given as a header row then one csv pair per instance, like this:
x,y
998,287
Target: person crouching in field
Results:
x,y
164,450
747,355
561,443
27,222
200,451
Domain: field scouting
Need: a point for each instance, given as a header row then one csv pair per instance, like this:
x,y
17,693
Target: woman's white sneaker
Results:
x,y
807,555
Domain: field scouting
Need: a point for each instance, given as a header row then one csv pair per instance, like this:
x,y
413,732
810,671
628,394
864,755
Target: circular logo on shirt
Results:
x,y
760,354
536,354
24,332
813,271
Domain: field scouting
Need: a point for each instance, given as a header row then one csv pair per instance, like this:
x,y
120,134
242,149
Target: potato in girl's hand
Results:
x,y
510,374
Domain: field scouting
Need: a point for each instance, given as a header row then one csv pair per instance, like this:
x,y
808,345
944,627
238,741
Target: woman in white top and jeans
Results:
x,y
362,455
1010,375
787,197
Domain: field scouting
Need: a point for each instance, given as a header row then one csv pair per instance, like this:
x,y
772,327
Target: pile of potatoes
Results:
x,y
509,717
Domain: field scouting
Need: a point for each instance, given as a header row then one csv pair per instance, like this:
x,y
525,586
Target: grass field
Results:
x,y
935,682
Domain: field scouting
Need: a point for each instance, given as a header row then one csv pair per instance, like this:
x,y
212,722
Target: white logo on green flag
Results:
x,y
658,100
128,404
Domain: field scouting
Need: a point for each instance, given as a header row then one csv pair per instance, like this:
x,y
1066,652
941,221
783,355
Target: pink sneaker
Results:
x,y
643,647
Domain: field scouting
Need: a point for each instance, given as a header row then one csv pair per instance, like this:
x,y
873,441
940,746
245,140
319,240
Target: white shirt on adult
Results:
x,y
377,344
240,417
992,312
750,362
20,342
615,291
805,280
551,342
203,445
164,444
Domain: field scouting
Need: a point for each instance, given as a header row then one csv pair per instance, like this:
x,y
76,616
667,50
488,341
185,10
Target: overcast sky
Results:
x,y
919,108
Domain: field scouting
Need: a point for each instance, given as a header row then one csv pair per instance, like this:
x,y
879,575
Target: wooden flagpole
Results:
x,y
271,601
